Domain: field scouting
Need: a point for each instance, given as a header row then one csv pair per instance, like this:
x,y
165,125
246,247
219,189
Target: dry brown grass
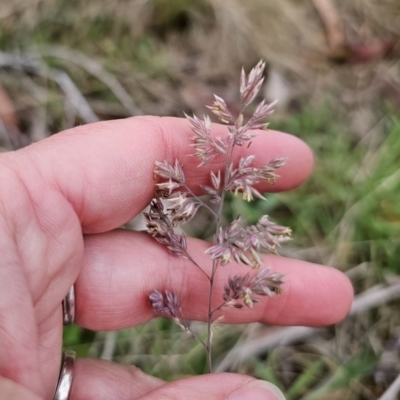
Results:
x,y
207,42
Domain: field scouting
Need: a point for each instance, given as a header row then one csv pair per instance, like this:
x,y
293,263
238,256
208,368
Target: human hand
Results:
x,y
61,201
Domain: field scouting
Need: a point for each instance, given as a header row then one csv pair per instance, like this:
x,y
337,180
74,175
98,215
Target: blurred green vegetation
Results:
x,y
350,201
345,215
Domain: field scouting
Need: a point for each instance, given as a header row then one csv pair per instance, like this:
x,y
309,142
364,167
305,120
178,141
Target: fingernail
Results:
x,y
256,390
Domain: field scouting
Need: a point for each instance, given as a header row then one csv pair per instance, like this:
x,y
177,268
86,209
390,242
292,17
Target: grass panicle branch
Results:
x,y
232,242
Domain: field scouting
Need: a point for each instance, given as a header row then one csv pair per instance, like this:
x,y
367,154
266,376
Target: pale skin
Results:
x,y
61,202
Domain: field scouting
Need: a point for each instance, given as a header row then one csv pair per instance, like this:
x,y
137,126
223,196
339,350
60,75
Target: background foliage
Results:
x,y
67,62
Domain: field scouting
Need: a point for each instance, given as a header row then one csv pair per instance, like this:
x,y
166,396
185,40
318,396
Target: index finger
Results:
x,y
105,169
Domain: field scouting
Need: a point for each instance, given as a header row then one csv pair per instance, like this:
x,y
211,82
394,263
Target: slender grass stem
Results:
x,y
209,318
201,341
201,201
215,262
197,265
218,308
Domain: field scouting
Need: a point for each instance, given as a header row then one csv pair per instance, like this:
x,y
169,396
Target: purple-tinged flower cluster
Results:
x,y
262,111
220,109
233,242
206,147
250,85
214,190
246,288
174,173
239,135
160,227
165,189
244,244
245,177
167,304
183,209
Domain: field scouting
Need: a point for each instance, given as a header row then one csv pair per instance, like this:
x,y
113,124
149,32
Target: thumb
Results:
x,y
11,390
216,387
